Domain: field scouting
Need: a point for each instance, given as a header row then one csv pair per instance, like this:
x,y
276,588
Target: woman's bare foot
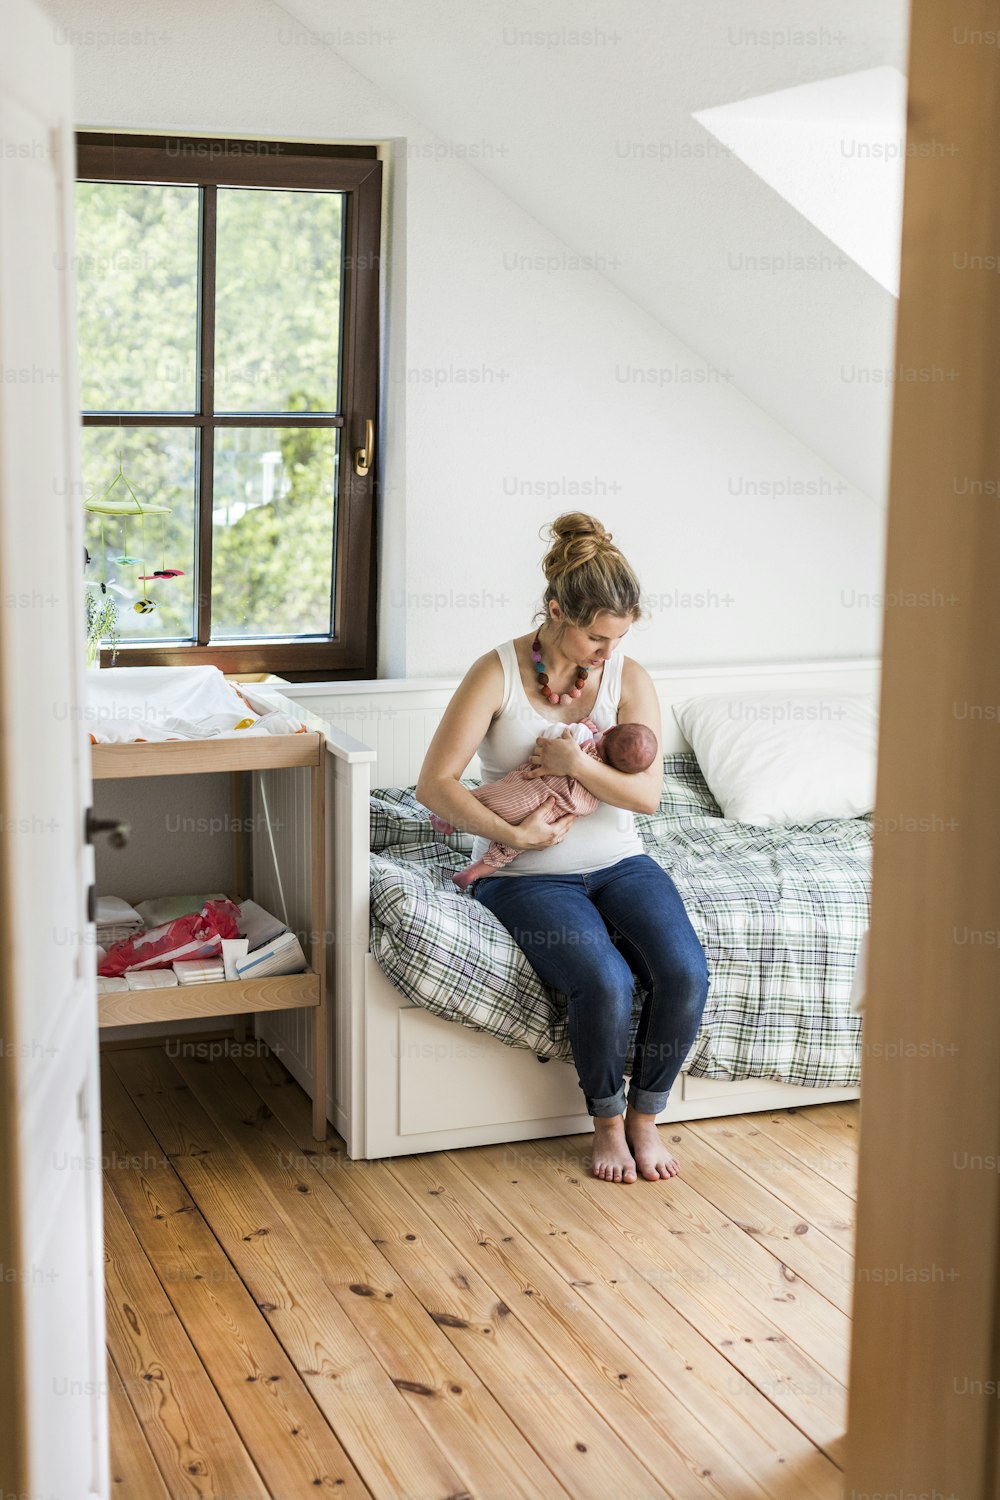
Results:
x,y
651,1156
612,1160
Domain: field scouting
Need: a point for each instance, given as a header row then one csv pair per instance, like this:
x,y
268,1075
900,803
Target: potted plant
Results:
x,y
102,620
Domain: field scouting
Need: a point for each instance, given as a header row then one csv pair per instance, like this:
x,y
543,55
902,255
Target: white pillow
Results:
x,y
785,757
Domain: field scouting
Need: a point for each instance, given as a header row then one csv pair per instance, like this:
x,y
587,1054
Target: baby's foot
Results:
x,y
464,878
612,1160
651,1155
441,824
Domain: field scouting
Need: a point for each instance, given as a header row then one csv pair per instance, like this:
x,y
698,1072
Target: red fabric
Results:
x,y
197,935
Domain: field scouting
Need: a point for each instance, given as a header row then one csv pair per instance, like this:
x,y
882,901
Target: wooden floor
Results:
x,y
491,1322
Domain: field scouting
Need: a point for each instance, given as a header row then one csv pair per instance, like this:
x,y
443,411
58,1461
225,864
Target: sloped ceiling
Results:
x,y
583,113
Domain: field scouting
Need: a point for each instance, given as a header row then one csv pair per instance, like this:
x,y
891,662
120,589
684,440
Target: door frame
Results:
x,y
52,1315
923,1415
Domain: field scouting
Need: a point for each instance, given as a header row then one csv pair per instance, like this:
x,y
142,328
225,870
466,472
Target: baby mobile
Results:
x,y
124,507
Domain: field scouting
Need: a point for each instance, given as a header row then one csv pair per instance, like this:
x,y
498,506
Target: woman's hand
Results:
x,y
555,757
537,833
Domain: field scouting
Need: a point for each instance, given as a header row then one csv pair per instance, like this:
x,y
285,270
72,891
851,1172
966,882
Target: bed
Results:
x,y
406,1077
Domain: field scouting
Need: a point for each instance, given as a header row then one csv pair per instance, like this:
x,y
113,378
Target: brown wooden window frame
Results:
x,y
356,172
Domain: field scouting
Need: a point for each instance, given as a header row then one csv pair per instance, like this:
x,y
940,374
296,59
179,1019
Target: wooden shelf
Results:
x,y
236,996
193,757
225,997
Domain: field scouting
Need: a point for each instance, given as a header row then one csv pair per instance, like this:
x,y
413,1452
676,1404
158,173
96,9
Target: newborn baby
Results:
x,y
626,747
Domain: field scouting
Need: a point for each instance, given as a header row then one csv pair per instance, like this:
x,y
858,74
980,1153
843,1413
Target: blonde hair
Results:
x,y
586,573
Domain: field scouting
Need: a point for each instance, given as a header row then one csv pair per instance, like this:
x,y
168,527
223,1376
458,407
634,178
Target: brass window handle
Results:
x,y
363,456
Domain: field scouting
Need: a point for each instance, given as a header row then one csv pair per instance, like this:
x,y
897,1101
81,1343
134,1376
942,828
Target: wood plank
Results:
x,y
397,1394
608,1294
843,1119
719,1425
226,997
779,1170
706,1246
188,1430
563,1433
812,1147
586,1300
199,757
278,1421
924,1409
782,1230
134,1475
559,1203
590,1357
446,1274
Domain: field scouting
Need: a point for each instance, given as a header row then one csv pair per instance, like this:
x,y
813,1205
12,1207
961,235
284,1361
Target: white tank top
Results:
x,y
600,838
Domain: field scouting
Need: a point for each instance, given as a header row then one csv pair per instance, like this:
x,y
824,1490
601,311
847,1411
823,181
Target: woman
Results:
x,y
589,909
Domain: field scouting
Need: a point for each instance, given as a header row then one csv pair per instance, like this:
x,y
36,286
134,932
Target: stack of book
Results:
x,y
282,955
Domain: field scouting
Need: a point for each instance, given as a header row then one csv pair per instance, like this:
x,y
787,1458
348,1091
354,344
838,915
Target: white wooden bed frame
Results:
x,y
403,1080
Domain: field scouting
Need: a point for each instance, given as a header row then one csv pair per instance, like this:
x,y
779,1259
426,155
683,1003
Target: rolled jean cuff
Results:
x,y
614,1104
647,1101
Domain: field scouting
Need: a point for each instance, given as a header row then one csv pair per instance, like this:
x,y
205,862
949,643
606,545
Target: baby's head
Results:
x,y
628,747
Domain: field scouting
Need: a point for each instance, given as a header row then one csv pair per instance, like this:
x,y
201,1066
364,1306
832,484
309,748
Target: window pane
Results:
x,y
137,295
277,308
273,531
159,464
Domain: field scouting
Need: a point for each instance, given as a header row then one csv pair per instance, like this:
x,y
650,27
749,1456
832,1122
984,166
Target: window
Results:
x,y
227,302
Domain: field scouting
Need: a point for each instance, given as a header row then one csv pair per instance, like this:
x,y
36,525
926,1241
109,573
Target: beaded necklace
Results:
x,y
543,676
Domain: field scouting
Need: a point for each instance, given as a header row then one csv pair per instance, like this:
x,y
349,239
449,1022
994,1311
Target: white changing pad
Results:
x,y
127,704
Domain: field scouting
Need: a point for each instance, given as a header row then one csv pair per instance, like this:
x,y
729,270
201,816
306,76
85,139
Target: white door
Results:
x,y
53,1425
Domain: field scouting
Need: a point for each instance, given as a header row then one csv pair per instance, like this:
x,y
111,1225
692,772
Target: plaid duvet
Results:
x,y
779,911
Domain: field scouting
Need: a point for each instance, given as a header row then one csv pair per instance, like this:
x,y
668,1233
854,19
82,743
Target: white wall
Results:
x,y
179,836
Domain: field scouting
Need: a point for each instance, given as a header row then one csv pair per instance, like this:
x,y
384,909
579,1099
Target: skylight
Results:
x,y
834,150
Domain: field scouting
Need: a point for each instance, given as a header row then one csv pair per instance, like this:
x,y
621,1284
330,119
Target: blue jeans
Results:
x,y
590,936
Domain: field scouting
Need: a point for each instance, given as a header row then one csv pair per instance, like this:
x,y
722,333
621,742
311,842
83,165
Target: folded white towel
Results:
x,y
150,979
106,936
115,920
110,986
112,911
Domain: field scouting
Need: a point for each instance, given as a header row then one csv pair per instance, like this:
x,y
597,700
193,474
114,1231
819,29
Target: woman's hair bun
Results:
x,y
586,573
576,539
575,523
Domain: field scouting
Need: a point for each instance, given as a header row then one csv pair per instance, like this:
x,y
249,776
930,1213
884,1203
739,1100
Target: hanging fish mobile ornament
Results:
x,y
122,507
